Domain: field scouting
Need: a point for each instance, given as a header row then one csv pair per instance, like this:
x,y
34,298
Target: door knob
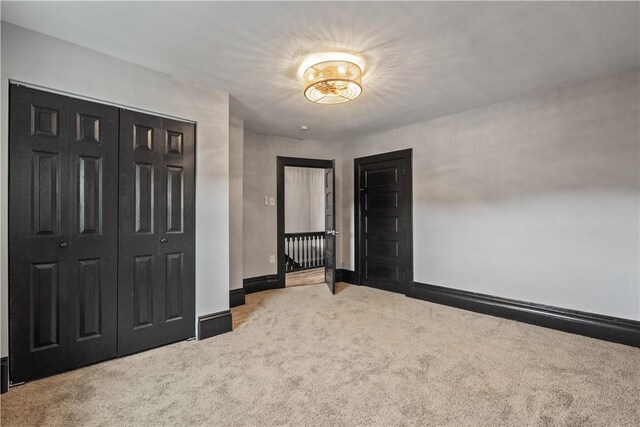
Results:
x,y
163,240
64,245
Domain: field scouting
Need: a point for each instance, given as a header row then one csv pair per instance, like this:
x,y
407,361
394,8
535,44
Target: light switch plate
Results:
x,y
272,259
266,200
272,201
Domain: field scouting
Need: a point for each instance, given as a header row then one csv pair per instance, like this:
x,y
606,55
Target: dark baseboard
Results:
x,y
236,297
4,373
260,283
214,324
613,329
347,276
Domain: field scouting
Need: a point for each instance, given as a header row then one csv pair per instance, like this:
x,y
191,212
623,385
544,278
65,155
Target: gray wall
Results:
x,y
303,199
236,154
259,221
535,198
35,58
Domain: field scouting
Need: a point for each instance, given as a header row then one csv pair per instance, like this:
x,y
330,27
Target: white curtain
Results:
x,y
304,199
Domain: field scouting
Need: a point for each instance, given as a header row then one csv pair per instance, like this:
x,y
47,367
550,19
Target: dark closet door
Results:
x,y
38,230
62,239
330,229
384,248
157,232
93,232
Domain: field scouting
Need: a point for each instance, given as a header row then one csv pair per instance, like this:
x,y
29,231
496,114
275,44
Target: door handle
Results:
x,y
332,232
163,240
64,245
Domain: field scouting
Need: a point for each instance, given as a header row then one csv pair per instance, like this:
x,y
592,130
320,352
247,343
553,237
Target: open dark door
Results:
x,y
330,228
328,252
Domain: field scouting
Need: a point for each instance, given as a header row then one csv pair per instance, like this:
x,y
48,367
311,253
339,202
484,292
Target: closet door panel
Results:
x,y
38,231
140,283
177,226
157,233
93,280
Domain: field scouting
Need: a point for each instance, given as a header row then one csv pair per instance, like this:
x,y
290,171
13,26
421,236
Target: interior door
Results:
x,y
384,246
38,227
156,293
330,228
62,232
93,232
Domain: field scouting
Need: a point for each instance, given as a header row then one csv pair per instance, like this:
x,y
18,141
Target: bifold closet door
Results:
x,y
156,289
63,171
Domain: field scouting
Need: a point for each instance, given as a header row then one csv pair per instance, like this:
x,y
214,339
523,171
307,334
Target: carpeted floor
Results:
x,y
301,356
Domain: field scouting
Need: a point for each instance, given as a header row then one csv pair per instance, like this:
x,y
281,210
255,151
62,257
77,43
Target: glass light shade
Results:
x,y
332,82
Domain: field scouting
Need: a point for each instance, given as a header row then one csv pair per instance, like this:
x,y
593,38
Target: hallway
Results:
x,y
305,277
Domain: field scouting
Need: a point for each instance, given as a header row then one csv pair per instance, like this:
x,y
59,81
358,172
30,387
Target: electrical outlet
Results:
x,y
272,201
272,259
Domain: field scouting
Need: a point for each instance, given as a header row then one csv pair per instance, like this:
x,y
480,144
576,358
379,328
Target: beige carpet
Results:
x,y
301,356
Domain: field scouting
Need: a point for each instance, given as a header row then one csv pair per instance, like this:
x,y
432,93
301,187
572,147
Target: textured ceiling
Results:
x,y
424,60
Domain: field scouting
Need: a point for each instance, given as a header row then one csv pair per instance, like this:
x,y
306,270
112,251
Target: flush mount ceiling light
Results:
x,y
333,82
332,78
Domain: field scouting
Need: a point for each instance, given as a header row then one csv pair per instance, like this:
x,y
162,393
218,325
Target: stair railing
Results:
x,y
304,250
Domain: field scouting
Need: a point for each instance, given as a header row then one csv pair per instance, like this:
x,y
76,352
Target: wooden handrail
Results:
x,y
306,233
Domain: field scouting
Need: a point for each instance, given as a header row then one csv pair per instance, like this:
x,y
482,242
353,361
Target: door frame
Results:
x,y
406,155
281,163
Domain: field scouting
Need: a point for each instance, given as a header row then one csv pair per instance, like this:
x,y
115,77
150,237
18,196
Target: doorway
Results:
x,y
383,220
305,224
